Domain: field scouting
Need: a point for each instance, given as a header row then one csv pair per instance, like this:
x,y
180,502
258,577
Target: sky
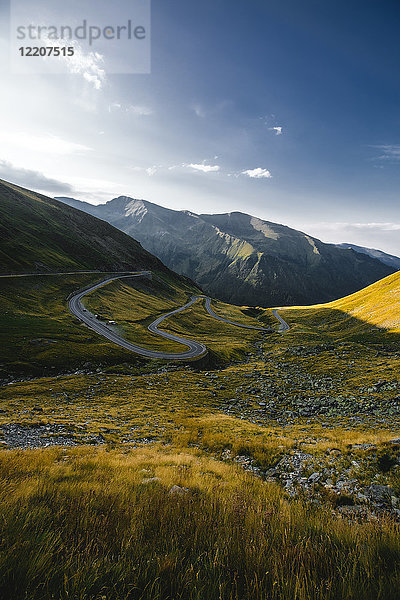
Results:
x,y
284,109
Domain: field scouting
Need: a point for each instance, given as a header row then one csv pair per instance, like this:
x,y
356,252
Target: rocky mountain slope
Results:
x,y
386,259
39,234
239,258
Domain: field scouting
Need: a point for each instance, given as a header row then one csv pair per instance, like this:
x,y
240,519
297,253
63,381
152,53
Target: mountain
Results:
x,y
39,234
386,259
239,258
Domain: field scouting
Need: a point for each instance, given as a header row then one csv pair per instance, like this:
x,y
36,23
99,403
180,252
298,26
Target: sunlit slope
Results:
x,y
372,314
378,304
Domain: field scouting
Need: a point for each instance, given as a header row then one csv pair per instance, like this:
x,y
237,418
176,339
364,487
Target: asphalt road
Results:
x,y
212,313
283,325
195,349
59,273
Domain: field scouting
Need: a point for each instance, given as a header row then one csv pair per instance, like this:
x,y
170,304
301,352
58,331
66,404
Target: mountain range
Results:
x,y
239,258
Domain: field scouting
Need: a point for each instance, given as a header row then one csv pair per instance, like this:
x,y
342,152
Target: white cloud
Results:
x,y
385,226
148,170
201,167
278,130
46,143
389,152
381,235
137,110
257,173
90,65
143,111
152,170
32,179
202,112
204,168
199,111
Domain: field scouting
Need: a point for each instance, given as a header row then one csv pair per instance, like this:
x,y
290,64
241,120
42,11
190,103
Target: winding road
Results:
x,y
213,314
195,349
283,325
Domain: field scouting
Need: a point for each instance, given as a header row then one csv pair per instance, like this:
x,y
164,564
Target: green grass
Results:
x,y
39,234
88,524
135,305
39,335
226,342
371,315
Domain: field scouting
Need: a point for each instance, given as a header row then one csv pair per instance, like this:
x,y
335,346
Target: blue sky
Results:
x,y
287,109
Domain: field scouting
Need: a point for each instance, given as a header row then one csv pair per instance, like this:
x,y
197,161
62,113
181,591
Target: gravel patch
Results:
x,y
15,435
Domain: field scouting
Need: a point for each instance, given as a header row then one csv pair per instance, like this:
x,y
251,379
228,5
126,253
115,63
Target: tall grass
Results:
x,y
91,524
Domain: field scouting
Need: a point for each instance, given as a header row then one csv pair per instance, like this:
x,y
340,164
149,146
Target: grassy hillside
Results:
x,y
371,315
144,494
137,304
378,304
39,335
38,234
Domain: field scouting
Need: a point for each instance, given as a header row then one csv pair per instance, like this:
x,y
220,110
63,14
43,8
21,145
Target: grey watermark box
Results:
x,y
91,37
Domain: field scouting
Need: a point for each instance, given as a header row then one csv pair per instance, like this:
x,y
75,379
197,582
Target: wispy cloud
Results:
x,y
90,65
33,179
383,235
383,226
148,170
199,111
389,152
257,173
202,111
152,170
46,143
278,130
137,110
204,168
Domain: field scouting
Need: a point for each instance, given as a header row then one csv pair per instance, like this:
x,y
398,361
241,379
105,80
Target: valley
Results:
x,y
271,465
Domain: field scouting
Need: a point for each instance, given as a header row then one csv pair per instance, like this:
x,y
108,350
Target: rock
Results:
x,y
151,480
363,446
352,511
379,494
314,478
38,435
361,498
176,490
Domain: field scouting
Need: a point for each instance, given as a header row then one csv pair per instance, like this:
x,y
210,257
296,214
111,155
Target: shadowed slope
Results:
x,y
39,234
